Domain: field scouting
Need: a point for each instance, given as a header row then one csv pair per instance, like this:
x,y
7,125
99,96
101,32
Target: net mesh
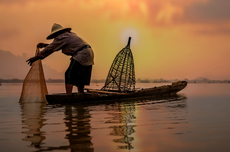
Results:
x,y
121,75
34,86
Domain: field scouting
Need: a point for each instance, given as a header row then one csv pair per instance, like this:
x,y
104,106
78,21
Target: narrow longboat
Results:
x,y
119,85
93,95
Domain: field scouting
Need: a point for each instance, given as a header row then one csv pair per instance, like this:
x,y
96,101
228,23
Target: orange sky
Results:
x,y
170,38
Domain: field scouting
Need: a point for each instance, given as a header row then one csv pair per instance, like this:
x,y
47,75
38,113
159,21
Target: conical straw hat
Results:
x,y
55,29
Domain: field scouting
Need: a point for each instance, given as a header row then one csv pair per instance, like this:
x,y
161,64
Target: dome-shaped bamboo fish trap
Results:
x,y
121,76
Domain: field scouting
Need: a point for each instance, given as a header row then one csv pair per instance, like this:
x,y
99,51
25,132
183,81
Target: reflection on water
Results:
x,y
123,116
78,127
199,123
122,119
125,119
77,121
32,122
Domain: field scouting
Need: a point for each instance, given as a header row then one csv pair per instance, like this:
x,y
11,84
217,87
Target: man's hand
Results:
x,y
32,60
42,45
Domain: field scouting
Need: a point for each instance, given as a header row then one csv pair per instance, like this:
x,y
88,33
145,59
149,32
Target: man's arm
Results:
x,y
42,45
35,58
56,45
32,60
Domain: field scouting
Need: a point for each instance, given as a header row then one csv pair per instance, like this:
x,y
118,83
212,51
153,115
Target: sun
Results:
x,y
129,32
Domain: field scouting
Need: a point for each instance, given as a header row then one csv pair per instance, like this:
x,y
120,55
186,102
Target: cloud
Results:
x,y
8,33
219,30
207,18
213,11
16,1
204,17
155,11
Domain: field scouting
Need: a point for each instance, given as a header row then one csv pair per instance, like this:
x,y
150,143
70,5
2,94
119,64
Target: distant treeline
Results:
x,y
10,81
197,80
21,81
47,81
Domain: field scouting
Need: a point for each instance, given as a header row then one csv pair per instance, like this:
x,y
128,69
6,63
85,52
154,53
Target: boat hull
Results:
x,y
94,96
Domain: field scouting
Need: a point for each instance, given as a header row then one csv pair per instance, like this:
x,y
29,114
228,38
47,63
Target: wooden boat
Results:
x,y
93,95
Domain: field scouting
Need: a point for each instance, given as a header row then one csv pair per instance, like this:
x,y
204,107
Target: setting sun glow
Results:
x,y
129,32
170,39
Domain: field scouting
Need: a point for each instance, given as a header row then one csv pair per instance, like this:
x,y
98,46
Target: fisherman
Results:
x,y
79,70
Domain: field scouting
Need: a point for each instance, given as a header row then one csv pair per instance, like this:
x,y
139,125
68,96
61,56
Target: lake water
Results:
x,y
198,120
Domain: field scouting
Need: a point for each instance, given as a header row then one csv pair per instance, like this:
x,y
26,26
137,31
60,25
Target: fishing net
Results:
x,y
34,86
121,76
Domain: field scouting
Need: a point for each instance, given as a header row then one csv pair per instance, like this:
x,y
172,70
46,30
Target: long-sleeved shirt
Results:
x,y
70,44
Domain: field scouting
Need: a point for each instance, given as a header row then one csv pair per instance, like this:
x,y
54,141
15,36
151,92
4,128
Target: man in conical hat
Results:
x,y
79,71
